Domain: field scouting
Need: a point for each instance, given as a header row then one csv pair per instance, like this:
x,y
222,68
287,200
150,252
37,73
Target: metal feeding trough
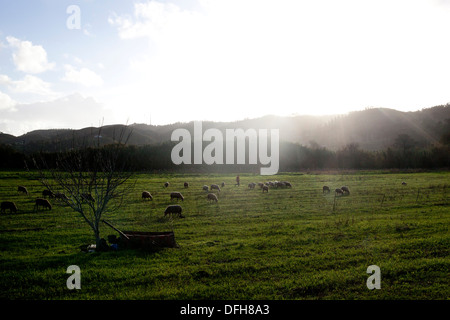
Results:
x,y
145,240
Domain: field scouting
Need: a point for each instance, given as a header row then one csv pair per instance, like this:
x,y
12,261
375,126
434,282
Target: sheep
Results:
x,y
326,189
280,184
265,188
345,190
174,209
146,195
205,188
251,185
8,205
260,184
404,183
176,195
42,203
46,193
61,196
22,189
186,185
222,184
339,191
166,184
87,197
215,186
212,197
287,184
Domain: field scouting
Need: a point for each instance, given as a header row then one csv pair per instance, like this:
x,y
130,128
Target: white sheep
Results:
x,y
146,195
174,209
212,197
176,195
345,190
22,189
215,186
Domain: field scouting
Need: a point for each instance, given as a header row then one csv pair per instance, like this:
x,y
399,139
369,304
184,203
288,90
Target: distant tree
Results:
x,y
10,158
313,144
445,136
404,142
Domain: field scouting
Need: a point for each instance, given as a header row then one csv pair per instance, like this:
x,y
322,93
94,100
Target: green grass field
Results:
x,y
285,244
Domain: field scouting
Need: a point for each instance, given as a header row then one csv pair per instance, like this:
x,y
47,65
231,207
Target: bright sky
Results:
x,y
169,61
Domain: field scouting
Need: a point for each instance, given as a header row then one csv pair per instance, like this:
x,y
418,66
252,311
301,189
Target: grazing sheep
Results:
x,y
404,183
46,193
186,185
251,185
166,184
287,184
42,203
222,184
345,190
326,189
173,209
215,186
280,184
87,197
205,188
260,184
8,205
176,195
22,189
339,191
265,188
146,195
61,196
212,197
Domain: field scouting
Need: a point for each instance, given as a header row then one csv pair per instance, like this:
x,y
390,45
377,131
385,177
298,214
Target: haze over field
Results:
x,y
162,62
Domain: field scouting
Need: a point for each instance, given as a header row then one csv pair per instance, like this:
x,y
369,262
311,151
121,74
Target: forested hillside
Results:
x,y
368,139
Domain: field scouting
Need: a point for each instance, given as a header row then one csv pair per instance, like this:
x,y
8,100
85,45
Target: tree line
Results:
x,y
403,154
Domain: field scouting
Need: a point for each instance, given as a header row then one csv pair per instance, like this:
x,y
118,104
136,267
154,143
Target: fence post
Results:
x,y
334,202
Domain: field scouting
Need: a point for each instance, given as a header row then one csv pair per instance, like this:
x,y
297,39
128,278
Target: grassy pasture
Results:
x,y
285,244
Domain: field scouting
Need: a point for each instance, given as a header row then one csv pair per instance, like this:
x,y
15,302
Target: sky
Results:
x,y
73,64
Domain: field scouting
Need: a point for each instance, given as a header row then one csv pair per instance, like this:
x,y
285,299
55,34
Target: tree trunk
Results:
x,y
100,243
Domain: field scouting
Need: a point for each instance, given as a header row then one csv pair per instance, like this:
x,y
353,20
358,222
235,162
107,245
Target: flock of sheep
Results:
x,y
212,197
338,191
40,202
177,209
171,209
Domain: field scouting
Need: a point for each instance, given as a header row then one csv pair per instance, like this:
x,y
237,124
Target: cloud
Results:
x,y
83,76
73,111
156,20
5,80
29,58
30,85
6,103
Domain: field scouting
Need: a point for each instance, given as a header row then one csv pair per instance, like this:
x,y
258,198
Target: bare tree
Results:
x,y
91,180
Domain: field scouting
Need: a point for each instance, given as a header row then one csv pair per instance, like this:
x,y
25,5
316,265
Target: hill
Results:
x,y
371,129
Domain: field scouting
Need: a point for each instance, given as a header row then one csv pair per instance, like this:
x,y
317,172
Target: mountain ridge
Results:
x,y
371,129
